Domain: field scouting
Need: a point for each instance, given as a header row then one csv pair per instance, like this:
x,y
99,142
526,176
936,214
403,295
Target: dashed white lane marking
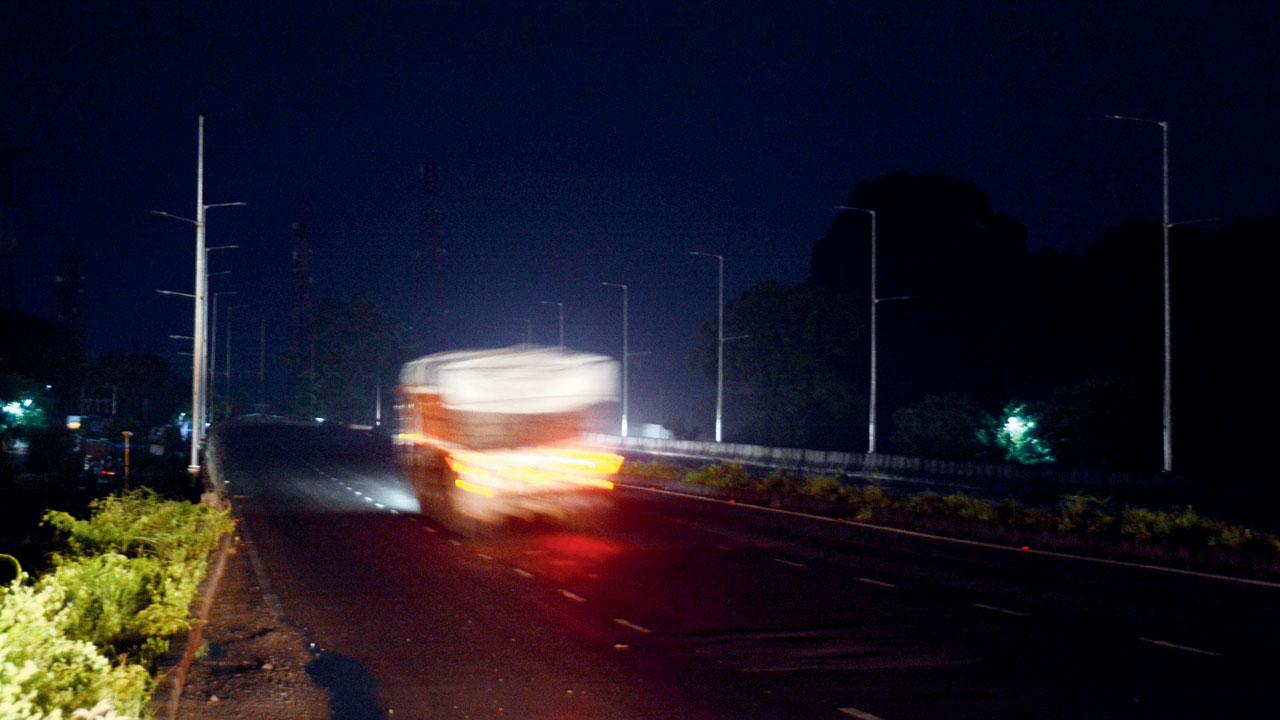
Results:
x,y
877,583
860,714
1176,646
523,573
455,542
789,562
380,506
482,556
572,596
633,626
368,499
1005,611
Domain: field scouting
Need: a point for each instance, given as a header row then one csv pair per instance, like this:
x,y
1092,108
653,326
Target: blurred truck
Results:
x,y
489,435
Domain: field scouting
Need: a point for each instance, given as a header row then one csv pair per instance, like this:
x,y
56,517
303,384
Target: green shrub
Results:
x,y
969,508
868,497
141,523
127,605
780,482
45,672
823,486
723,475
925,504
1084,512
657,471
82,637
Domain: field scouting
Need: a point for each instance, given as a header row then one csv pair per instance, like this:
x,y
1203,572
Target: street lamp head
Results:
x,y
171,216
856,209
1130,118
226,204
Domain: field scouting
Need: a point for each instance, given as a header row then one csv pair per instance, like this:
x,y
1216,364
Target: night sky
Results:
x,y
586,142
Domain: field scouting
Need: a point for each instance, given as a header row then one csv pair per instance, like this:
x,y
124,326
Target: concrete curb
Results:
x,y
175,678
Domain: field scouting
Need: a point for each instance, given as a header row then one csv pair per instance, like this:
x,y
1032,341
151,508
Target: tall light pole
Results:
x,y
528,329
262,364
875,304
719,342
871,400
560,307
227,364
625,353
213,348
199,353
1167,437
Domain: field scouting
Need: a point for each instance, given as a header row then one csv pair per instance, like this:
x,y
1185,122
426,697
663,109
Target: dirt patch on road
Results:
x,y
251,665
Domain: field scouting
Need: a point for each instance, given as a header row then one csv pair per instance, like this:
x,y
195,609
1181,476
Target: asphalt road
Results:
x,y
684,608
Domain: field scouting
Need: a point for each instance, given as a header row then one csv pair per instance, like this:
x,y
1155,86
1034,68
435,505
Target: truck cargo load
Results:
x,y
486,435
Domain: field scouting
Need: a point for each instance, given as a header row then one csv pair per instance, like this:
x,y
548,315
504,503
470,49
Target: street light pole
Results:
x,y
528,330
1167,390
213,349
625,353
262,361
230,314
560,307
200,352
719,342
875,302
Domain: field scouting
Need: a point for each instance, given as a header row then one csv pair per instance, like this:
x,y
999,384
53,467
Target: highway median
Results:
x,y
1176,537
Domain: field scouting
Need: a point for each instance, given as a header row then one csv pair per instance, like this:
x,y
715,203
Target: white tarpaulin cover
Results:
x,y
526,379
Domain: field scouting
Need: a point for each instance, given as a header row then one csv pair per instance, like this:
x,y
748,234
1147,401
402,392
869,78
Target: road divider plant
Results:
x,y
1077,522
83,639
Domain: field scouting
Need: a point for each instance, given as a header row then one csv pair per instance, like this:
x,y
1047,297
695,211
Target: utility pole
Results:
x,y
230,314
262,361
625,353
1167,390
719,341
200,352
560,307
127,435
528,329
199,332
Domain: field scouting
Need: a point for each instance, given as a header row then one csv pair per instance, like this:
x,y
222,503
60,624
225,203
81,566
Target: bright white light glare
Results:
x,y
319,419
1017,427
14,408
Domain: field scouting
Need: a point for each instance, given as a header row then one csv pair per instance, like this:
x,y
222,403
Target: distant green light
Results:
x,y
1018,440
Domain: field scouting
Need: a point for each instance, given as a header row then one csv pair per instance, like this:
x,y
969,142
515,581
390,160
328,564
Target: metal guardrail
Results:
x,y
1030,482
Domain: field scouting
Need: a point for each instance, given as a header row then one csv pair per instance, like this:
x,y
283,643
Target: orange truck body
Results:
x,y
493,434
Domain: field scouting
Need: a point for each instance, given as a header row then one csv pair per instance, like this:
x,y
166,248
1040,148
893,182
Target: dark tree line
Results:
x,y
1075,338
355,349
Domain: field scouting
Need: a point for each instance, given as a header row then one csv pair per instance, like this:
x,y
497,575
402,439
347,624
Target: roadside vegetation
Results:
x,y
1078,523
83,638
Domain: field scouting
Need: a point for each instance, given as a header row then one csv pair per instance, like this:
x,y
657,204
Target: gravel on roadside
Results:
x,y
250,665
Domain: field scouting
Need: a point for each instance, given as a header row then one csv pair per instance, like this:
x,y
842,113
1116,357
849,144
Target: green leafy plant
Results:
x,y
827,487
656,471
78,642
723,475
